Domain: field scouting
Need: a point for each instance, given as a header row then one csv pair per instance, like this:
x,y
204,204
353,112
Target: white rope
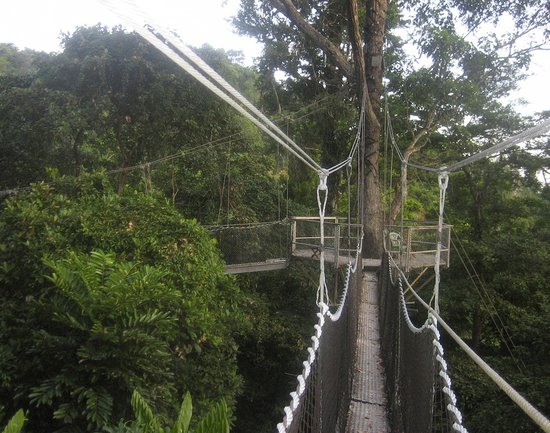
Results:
x,y
298,396
187,52
154,40
516,397
450,396
351,268
443,180
322,290
529,134
360,128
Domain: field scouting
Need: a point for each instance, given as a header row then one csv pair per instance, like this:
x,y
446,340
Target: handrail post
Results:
x,y
408,249
293,235
337,244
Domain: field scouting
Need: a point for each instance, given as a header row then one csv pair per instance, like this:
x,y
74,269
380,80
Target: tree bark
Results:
x,y
371,84
374,40
331,50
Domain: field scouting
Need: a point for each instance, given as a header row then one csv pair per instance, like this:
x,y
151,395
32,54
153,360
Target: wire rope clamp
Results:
x,y
443,178
323,177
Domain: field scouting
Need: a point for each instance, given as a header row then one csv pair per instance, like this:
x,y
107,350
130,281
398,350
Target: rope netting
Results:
x,y
420,398
321,399
252,243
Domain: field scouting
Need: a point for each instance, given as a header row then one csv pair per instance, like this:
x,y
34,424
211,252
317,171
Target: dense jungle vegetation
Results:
x,y
113,161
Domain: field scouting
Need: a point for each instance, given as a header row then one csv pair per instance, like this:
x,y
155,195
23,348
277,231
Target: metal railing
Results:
x,y
340,237
414,245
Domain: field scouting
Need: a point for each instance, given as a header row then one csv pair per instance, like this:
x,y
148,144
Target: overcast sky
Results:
x,y
37,24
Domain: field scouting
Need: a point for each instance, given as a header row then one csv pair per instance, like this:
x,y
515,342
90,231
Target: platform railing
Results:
x,y
340,237
414,245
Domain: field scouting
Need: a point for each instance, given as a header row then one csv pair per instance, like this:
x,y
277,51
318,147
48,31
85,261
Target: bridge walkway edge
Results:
x,y
368,408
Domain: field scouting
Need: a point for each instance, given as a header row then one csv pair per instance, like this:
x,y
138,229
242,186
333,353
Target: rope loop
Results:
x,y
443,181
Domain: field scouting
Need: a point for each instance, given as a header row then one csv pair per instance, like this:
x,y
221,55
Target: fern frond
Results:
x,y
215,421
144,415
99,405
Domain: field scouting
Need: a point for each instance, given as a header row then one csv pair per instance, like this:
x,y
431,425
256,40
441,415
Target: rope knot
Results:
x,y
323,177
443,179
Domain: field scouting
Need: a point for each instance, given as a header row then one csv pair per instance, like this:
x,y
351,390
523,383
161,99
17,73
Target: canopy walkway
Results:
x,y
369,368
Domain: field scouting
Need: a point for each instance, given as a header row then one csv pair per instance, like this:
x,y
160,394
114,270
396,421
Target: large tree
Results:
x,y
323,45
462,68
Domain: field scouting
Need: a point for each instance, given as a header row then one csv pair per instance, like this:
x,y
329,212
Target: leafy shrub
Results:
x,y
106,293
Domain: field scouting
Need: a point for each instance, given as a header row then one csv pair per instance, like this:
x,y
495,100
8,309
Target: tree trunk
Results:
x,y
476,330
371,83
397,202
374,40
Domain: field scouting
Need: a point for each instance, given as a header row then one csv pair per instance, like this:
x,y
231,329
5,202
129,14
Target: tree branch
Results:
x,y
287,8
418,141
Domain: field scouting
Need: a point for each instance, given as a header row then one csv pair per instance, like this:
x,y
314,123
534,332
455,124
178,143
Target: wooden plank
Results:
x,y
269,265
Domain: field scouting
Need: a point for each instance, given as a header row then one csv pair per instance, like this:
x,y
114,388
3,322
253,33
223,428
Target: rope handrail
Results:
x,y
533,132
533,413
297,396
159,41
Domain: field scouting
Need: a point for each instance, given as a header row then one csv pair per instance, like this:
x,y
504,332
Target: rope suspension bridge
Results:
x,y
369,368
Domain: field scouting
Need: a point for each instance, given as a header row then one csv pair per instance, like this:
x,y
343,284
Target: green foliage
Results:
x,y
118,292
282,307
145,419
214,421
112,101
15,424
184,417
498,215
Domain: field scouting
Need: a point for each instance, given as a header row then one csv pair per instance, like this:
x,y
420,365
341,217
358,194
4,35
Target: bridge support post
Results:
x,y
293,236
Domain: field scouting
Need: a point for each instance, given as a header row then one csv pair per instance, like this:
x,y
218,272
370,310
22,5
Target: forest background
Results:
x,y
128,159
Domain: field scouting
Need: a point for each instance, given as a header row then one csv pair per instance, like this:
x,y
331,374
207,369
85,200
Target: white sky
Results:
x,y
37,24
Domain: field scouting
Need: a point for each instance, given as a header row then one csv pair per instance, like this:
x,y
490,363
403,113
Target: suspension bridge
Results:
x,y
369,368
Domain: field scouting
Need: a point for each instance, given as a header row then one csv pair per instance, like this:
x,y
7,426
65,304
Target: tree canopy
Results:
x,y
109,283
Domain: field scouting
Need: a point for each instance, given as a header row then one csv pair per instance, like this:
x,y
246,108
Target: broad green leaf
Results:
x,y
15,424
184,417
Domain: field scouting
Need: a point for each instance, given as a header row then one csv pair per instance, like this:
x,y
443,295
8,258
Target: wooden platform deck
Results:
x,y
268,265
367,412
282,263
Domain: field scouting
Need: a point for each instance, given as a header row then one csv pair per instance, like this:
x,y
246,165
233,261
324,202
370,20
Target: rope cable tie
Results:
x,y
443,181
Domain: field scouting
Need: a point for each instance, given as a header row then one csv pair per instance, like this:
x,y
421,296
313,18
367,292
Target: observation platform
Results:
x,y
414,244
261,247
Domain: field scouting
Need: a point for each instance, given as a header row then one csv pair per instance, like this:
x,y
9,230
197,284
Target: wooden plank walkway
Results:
x,y
367,411
268,265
